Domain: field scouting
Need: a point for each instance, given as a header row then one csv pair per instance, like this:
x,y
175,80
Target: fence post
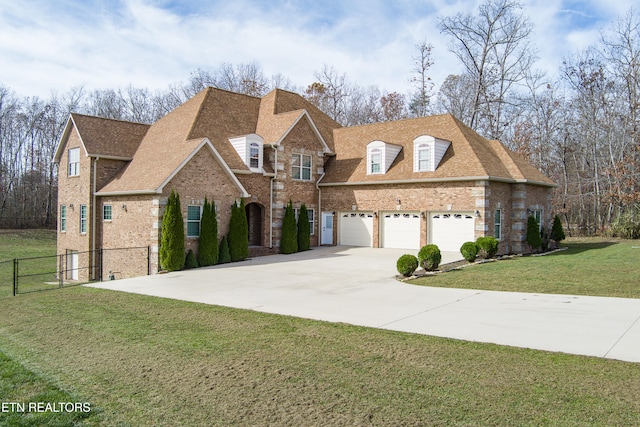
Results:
x,y
100,262
149,260
15,276
61,271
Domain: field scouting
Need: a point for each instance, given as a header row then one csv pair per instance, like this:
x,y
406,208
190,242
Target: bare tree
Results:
x,y
421,82
494,49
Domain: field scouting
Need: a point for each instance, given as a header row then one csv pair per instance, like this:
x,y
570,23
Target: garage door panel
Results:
x,y
401,230
450,230
356,229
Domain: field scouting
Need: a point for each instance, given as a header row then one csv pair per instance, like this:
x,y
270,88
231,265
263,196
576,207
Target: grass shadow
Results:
x,y
580,247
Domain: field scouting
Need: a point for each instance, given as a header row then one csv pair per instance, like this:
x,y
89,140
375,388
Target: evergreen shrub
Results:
x,y
469,251
407,264
534,239
429,257
172,256
289,241
304,229
487,247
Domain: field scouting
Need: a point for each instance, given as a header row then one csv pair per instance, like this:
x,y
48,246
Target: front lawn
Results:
x,y
589,267
149,361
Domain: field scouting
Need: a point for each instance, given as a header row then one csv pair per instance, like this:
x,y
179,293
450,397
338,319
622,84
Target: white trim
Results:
x,y
451,179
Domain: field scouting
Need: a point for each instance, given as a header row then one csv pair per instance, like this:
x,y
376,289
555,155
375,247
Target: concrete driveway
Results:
x,y
358,286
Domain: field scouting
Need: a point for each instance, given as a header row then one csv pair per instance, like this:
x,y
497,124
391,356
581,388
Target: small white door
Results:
x,y
73,263
327,229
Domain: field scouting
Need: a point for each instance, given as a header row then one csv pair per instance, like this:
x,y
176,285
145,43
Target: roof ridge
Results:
x,y
75,114
199,113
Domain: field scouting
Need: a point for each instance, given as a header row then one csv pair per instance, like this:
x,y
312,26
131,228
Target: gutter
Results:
x,y
94,215
319,214
434,180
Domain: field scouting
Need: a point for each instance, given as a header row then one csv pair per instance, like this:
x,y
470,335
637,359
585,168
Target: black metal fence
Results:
x,y
24,275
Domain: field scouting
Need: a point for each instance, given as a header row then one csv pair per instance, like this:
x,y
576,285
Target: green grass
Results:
x,y
589,267
152,361
36,250
27,394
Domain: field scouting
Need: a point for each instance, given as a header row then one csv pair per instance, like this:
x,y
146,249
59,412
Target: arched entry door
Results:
x,y
254,222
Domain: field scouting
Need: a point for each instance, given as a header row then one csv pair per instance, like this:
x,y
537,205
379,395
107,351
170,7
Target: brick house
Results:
x,y
396,184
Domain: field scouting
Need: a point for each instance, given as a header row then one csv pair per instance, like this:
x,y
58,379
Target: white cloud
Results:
x,y
147,43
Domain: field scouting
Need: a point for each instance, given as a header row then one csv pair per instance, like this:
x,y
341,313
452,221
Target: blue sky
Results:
x,y
48,46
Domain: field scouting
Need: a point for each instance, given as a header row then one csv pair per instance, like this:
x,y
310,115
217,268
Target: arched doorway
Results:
x,y
254,222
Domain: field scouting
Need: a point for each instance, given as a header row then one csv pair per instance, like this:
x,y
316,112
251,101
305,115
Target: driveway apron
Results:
x,y
358,286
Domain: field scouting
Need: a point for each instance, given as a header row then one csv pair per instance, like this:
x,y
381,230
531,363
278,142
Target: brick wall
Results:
x,y
73,192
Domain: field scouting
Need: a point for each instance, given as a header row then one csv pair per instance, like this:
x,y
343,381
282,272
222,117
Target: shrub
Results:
x,y
557,232
238,239
534,239
304,229
627,225
429,257
190,260
469,251
407,264
172,236
289,241
208,242
224,256
487,247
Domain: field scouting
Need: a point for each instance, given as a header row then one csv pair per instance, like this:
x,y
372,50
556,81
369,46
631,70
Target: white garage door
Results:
x,y
401,230
450,230
356,229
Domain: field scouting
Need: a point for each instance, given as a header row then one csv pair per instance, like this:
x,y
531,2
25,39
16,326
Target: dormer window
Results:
x,y
424,157
428,152
254,155
380,156
375,165
249,148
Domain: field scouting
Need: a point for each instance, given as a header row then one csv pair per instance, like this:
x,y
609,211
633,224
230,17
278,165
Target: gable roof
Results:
x,y
469,157
176,137
102,137
281,110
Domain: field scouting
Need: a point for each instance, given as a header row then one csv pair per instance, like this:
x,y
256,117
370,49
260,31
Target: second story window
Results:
x,y
301,167
375,161
424,157
74,161
254,155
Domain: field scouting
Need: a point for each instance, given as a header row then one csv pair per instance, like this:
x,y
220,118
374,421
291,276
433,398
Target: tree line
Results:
x,y
580,128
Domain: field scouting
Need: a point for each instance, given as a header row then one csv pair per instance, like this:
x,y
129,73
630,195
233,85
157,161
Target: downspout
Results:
x,y
319,215
93,217
275,176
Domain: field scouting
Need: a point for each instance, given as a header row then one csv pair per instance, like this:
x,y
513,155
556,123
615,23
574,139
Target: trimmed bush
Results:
x,y
429,257
557,232
304,229
407,264
469,251
534,239
208,242
238,239
487,247
224,255
190,260
289,241
172,236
